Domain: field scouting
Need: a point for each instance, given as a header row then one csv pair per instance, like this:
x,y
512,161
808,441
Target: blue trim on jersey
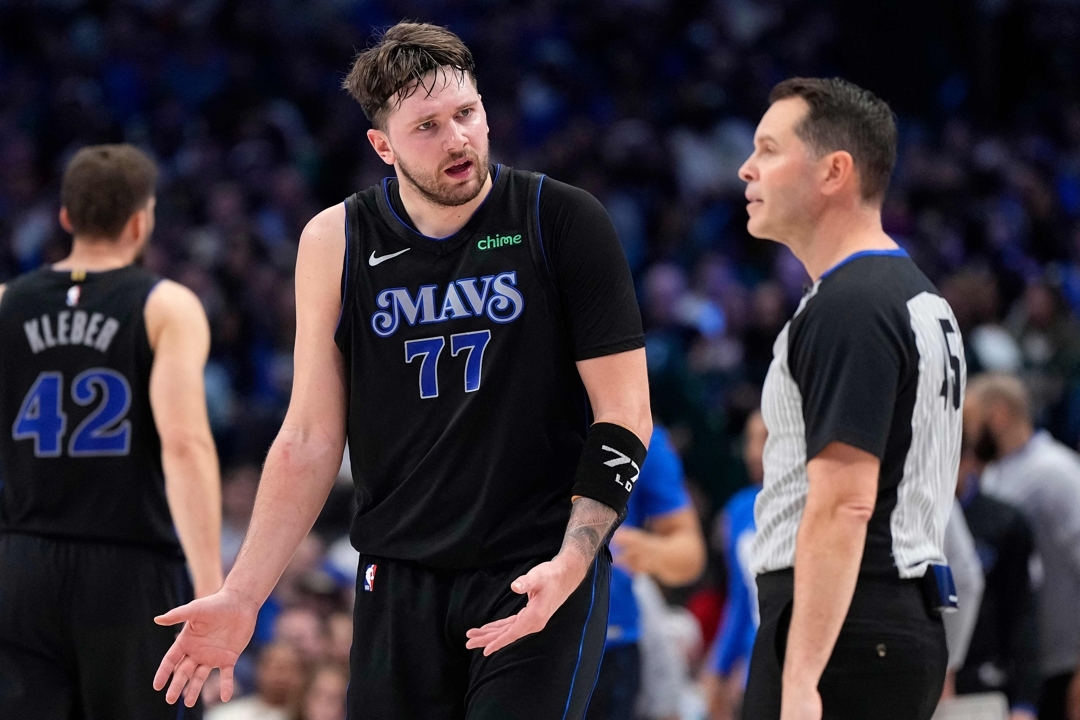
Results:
x,y
895,252
581,647
180,708
539,231
386,194
345,286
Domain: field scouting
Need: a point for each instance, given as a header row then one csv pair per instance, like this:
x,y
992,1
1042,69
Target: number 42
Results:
x,y
429,350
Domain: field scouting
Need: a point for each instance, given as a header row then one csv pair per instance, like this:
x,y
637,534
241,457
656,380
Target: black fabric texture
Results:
x,y
467,414
409,658
113,495
77,637
888,662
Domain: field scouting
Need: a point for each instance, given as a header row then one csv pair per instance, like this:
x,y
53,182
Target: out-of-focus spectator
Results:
x,y
238,488
725,671
1040,476
340,628
959,548
305,630
1003,654
661,537
324,698
1049,339
279,685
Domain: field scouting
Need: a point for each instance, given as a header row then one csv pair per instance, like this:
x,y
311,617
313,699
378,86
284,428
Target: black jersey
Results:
x,y
466,412
80,455
874,359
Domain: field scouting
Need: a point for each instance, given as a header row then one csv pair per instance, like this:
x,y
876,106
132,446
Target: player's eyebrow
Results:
x,y
759,139
431,116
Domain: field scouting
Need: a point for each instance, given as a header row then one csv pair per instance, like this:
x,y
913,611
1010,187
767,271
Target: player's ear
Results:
x,y
838,170
65,221
381,142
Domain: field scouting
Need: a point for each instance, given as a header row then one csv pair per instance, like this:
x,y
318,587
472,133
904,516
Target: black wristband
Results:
x,y
609,466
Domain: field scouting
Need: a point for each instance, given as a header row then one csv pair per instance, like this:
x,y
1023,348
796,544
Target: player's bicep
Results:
x,y
618,389
318,398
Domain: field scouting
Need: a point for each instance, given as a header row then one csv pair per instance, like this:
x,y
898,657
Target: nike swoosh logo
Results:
x,y
373,261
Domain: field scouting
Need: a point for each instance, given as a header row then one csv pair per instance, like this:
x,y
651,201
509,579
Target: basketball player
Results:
x,y
109,472
472,330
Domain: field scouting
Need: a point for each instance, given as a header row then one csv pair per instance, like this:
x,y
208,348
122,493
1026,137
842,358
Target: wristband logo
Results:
x,y
622,459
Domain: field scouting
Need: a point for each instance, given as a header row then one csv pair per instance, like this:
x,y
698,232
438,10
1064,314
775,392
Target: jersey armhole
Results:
x,y
348,271
541,258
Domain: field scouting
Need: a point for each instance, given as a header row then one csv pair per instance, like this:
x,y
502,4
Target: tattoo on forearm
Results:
x,y
589,523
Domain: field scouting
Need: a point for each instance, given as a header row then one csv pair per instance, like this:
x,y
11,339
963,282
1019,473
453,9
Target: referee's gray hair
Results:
x,y
1008,390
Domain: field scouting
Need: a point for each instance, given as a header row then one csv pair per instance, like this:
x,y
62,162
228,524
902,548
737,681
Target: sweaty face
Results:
x,y
439,141
780,174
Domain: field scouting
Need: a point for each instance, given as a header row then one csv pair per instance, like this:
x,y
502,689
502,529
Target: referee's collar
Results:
x,y
893,252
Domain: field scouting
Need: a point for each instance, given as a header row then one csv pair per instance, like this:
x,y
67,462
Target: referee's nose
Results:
x,y
748,171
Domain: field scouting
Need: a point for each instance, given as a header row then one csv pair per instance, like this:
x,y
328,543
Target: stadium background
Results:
x,y
648,104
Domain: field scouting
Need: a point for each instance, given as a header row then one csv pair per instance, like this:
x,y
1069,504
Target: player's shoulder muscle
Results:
x,y
172,305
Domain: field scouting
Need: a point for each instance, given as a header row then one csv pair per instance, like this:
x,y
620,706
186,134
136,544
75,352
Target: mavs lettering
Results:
x,y
496,296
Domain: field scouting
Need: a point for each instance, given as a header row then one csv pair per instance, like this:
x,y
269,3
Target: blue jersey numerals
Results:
x,y
41,416
105,431
429,350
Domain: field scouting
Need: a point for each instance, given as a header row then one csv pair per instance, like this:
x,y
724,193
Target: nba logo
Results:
x,y
369,577
73,294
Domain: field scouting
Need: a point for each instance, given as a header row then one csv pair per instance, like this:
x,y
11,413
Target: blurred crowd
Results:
x,y
648,104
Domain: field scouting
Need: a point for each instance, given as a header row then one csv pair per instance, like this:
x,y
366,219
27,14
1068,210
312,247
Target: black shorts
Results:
x,y
77,632
888,662
409,659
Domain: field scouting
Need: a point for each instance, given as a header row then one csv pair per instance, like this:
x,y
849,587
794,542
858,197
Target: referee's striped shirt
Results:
x,y
872,358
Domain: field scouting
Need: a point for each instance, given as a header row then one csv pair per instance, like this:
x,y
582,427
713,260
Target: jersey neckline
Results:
x,y
442,245
892,252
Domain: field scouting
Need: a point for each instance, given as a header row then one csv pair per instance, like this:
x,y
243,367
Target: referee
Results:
x,y
863,405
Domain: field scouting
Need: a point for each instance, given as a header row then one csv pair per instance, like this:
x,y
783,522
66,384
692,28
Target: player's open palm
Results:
x,y
547,585
217,629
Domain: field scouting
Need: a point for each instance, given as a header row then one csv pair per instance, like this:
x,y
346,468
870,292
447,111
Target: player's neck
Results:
x,y
438,221
98,255
836,235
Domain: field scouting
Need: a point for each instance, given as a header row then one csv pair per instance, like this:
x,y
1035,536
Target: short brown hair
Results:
x,y
104,185
844,116
394,68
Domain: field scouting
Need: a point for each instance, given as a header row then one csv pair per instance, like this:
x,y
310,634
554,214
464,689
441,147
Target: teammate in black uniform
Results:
x,y
105,432
459,324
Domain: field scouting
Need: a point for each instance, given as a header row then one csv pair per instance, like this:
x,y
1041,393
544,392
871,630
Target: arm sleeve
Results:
x,y
846,355
590,272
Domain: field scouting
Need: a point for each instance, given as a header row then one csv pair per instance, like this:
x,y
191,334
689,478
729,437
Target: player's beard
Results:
x,y
437,189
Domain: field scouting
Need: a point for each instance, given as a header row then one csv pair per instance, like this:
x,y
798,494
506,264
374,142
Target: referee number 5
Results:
x,y
428,350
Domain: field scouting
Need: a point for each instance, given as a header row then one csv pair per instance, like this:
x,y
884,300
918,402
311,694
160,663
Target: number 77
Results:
x,y
429,350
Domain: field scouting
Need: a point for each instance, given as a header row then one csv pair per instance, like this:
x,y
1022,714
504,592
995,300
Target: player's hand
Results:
x,y
1022,715
800,702
217,629
547,585
633,550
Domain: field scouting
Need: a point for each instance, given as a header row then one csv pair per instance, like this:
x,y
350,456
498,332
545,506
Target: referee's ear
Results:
x,y
839,177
